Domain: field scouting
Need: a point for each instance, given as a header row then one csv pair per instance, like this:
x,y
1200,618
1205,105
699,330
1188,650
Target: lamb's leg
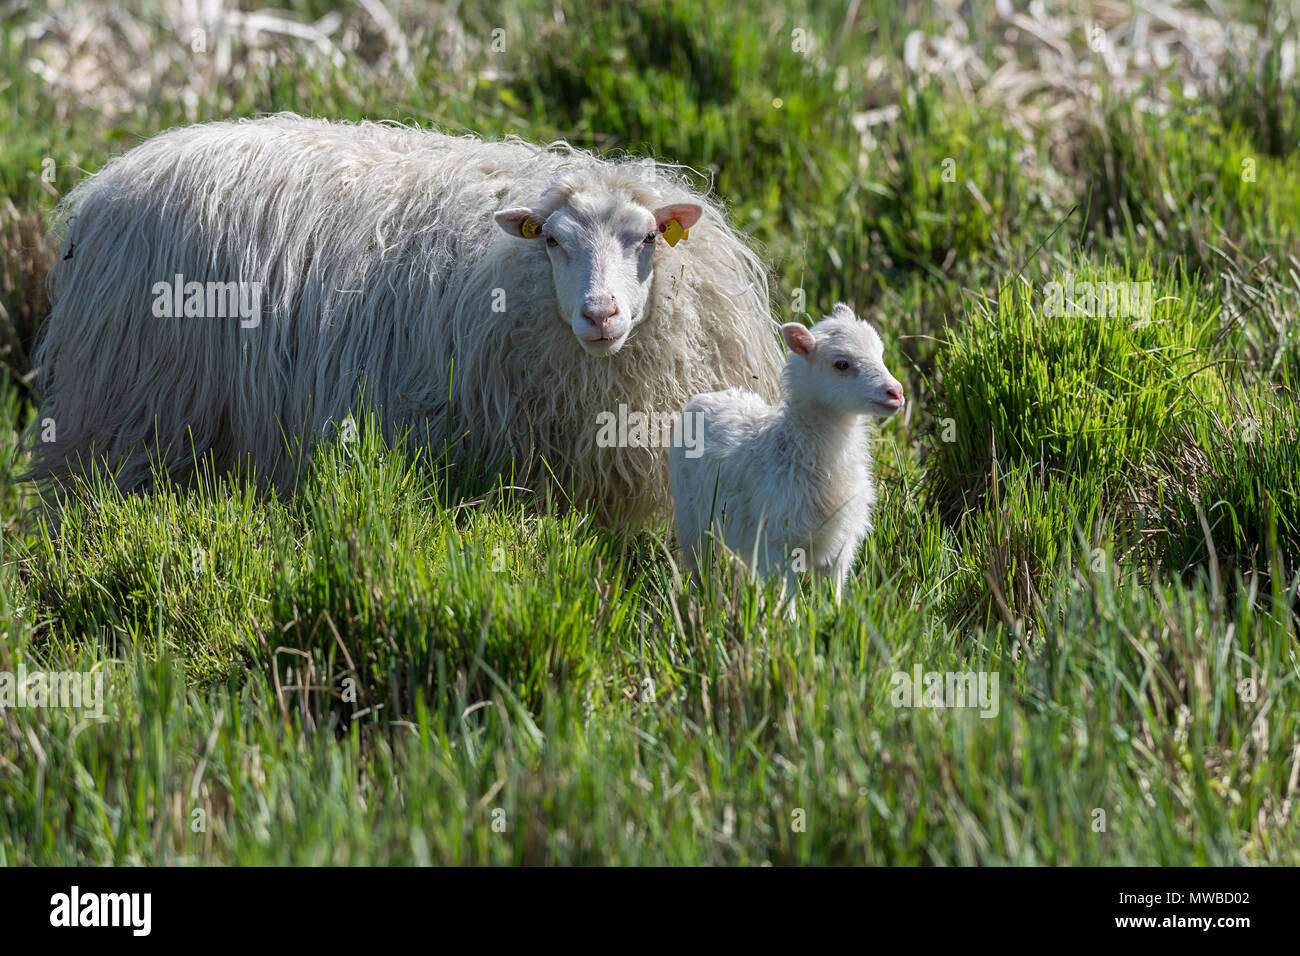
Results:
x,y
840,570
789,592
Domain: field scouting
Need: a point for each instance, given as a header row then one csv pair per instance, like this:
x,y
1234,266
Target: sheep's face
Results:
x,y
840,363
602,261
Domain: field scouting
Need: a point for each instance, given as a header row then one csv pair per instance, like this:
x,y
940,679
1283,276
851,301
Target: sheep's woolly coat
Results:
x,y
380,267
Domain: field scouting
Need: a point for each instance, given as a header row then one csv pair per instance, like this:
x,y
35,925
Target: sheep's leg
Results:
x,y
840,571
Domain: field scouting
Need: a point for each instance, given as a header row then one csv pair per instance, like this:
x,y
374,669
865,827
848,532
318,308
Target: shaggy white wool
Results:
x,y
789,487
379,265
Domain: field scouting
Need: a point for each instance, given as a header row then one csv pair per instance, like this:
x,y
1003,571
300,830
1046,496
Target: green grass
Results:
x,y
392,668
1177,190
612,717
1069,381
1241,505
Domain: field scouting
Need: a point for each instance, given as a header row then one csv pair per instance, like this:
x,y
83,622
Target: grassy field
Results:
x,y
1101,510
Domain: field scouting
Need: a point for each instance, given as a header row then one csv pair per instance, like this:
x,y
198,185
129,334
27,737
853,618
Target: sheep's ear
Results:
x,y
675,221
799,339
842,311
520,221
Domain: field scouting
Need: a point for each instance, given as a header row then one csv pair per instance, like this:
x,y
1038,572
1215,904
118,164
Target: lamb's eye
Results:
x,y
550,241
650,238
842,365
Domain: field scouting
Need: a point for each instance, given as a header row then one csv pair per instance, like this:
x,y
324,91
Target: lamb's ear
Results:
x,y
520,221
842,311
799,339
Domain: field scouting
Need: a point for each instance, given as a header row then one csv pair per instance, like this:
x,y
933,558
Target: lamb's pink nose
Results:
x,y
895,393
599,311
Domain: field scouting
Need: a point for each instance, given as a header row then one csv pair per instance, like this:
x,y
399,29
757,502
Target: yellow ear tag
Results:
x,y
674,233
530,228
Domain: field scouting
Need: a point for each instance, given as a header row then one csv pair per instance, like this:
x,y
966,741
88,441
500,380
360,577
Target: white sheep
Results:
x,y
236,289
789,487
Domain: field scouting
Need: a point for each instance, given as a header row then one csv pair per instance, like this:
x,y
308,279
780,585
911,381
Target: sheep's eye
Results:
x,y
550,241
650,238
842,365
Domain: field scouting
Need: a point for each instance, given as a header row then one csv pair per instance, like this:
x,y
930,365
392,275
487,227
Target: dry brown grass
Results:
x,y
1047,66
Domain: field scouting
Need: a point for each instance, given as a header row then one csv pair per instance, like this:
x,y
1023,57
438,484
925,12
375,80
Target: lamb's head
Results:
x,y
601,244
840,363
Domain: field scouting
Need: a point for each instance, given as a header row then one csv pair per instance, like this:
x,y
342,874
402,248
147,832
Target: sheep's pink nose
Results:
x,y
895,393
599,311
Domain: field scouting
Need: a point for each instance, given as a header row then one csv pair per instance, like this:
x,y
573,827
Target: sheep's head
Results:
x,y
840,363
602,260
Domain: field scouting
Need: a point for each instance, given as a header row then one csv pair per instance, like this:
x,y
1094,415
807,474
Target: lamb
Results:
x,y
236,290
788,487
